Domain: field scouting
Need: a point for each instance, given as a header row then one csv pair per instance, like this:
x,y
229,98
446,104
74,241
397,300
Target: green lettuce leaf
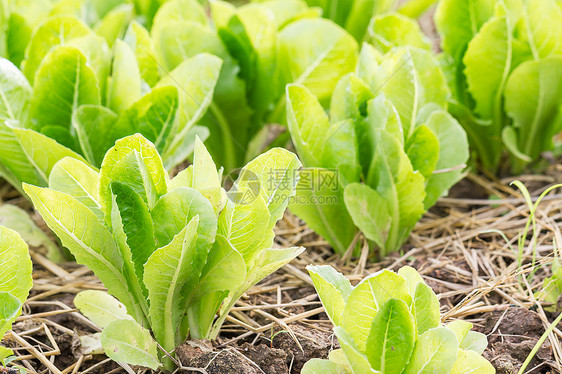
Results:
x,y
14,110
471,362
332,288
10,308
357,360
96,128
124,85
166,272
319,60
393,30
65,71
125,340
195,80
87,239
135,162
100,308
114,23
426,308
15,278
48,35
459,21
453,154
138,38
42,152
392,337
78,180
532,100
368,296
320,203
435,351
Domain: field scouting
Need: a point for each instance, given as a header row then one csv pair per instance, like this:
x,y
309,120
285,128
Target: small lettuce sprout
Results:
x,y
176,254
551,291
387,141
15,282
390,323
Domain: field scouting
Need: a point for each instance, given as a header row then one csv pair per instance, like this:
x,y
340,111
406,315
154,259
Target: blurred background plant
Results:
x,y
503,60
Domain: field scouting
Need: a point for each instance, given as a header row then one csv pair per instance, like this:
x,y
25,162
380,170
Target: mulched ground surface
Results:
x,y
279,324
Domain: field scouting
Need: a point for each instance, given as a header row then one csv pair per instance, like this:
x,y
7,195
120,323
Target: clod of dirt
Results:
x,y
514,321
315,344
507,357
270,360
514,333
8,371
200,355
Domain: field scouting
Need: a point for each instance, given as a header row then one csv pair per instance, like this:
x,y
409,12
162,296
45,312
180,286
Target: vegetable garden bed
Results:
x,y
279,324
398,211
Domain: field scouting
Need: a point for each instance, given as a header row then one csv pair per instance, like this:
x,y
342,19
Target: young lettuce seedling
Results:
x,y
178,253
390,323
551,291
15,281
388,141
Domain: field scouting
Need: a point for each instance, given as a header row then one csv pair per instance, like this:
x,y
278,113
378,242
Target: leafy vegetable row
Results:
x,y
131,56
121,78
264,46
78,97
389,144
173,252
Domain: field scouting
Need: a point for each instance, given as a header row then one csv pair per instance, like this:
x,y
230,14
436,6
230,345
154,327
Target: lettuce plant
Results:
x,y
264,46
390,323
76,96
389,143
15,281
19,19
176,253
504,59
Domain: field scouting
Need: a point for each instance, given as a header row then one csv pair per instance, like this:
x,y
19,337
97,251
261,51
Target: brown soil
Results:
x,y
201,355
278,355
512,334
8,371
